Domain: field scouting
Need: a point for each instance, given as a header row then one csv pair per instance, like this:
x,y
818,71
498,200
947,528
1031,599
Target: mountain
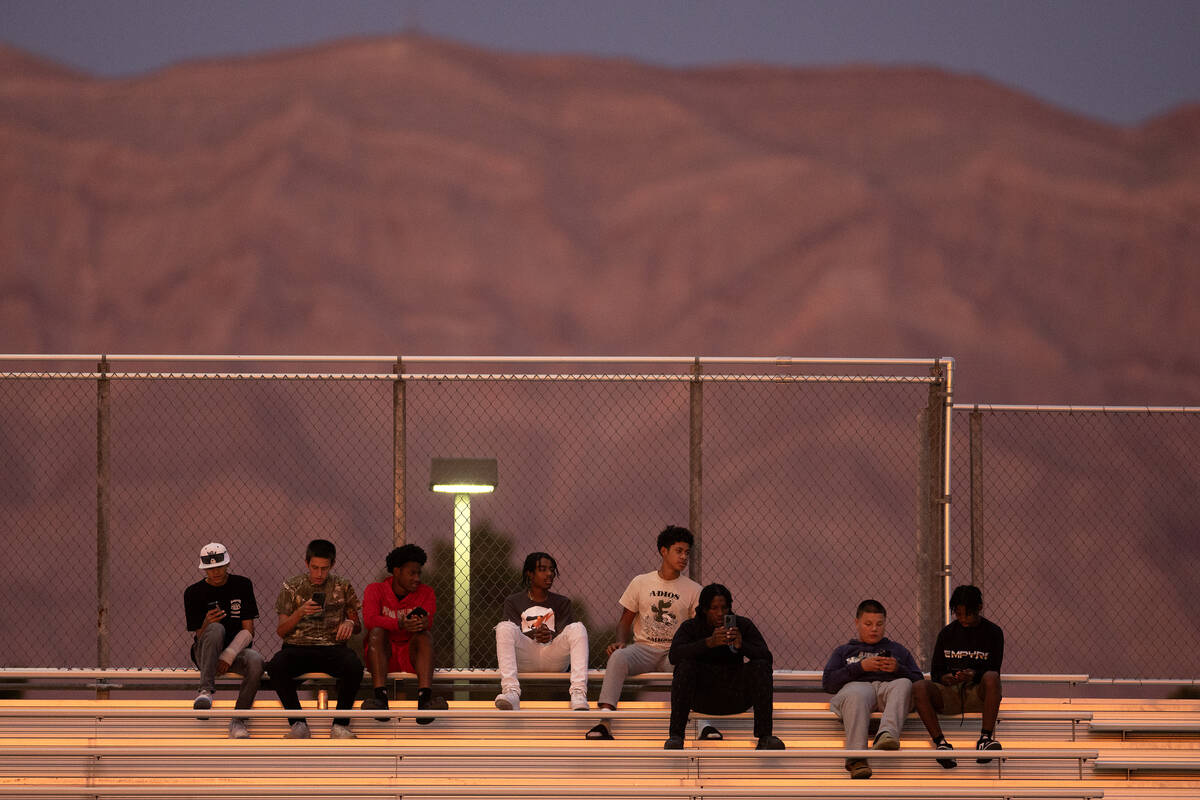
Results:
x,y
410,195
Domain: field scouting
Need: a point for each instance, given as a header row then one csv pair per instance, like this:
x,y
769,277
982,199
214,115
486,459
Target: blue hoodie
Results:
x,y
845,665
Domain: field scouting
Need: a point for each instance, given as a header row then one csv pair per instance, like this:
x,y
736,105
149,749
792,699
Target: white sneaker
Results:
x,y
508,701
299,730
341,732
579,701
237,729
203,701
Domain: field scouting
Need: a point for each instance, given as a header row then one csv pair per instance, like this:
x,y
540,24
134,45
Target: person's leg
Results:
x,y
575,637
420,653
615,673
853,705
345,666
248,664
683,696
991,693
927,697
205,651
508,638
379,649
283,668
893,698
758,686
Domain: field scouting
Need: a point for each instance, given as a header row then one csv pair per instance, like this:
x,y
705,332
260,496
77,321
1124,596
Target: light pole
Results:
x,y
462,477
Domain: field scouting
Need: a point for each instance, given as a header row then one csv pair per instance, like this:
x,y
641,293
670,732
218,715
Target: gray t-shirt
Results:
x,y
554,612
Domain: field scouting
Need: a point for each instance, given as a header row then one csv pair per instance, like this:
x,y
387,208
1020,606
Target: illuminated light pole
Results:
x,y
462,477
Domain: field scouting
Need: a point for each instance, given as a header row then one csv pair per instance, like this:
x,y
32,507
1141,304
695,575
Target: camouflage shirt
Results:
x,y
320,628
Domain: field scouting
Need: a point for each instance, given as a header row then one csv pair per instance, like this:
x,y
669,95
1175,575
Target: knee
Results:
x,y
254,663
990,682
507,631
618,660
377,637
575,632
214,632
921,690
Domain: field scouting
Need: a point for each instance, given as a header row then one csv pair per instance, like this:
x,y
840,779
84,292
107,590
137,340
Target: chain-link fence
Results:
x,y
1080,525
811,487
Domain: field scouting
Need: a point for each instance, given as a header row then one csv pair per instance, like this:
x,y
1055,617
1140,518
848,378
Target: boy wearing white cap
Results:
x,y
220,615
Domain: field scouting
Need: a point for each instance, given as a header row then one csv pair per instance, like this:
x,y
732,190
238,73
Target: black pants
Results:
x,y
338,660
720,689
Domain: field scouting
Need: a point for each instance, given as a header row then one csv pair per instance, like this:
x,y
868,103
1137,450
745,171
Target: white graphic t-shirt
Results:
x,y
660,607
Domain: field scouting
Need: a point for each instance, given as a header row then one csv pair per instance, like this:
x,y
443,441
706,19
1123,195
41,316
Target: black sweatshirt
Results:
x,y
689,643
980,647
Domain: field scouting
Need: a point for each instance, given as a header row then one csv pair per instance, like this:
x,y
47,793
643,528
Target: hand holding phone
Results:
x,y
731,625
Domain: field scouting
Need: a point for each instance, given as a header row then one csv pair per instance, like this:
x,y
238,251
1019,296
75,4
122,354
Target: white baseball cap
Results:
x,y
212,555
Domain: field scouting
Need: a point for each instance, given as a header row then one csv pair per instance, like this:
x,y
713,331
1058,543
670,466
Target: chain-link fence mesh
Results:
x,y
1085,536
810,493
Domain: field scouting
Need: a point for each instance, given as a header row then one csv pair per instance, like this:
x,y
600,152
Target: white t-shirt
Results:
x,y
659,607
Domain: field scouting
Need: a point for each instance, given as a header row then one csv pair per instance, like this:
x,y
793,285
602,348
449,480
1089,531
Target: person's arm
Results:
x,y
350,624
937,663
688,642
290,614
838,673
373,614
996,652
753,645
907,665
624,631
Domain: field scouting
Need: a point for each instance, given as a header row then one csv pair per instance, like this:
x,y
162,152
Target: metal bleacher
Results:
x,y
122,746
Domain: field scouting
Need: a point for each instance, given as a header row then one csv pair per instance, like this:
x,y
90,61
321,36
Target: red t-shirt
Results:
x,y
382,609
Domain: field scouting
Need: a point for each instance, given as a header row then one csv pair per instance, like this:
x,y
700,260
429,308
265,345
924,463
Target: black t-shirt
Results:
x,y
235,596
980,647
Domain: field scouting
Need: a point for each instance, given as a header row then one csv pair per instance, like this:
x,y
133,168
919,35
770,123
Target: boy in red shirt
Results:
x,y
398,613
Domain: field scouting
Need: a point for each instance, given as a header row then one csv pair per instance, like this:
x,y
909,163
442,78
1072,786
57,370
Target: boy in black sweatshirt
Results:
x,y
965,672
720,669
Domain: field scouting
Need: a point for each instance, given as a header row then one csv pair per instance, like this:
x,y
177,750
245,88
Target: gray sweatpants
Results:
x,y
855,701
632,659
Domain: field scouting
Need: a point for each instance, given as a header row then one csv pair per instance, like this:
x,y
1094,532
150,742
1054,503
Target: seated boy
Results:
x,y
653,606
398,613
870,673
965,673
538,634
720,669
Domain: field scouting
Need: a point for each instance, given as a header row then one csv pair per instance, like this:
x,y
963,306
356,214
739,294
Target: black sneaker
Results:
x,y
376,704
769,743
947,763
435,703
674,743
986,743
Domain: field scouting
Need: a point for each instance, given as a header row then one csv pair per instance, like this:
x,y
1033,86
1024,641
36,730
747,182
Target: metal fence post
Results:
x,y
695,467
102,485
976,445
399,434
931,556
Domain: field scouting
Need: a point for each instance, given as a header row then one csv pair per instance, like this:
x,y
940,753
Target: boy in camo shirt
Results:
x,y
318,613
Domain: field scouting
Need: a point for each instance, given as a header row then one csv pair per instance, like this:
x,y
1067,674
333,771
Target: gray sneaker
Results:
x,y
237,729
299,730
341,732
203,701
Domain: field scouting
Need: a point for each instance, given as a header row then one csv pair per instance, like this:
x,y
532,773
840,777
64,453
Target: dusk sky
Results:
x,y
1114,60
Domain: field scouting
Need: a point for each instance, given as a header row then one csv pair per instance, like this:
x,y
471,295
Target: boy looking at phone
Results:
x,y
965,672
538,633
722,666
870,673
318,612
398,612
220,613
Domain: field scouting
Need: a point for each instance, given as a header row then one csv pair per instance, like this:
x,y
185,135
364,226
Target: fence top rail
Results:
x,y
391,359
628,377
1068,409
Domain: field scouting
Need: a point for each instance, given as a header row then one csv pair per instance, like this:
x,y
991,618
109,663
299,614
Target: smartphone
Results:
x,y
213,605
418,612
319,598
730,621
884,654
